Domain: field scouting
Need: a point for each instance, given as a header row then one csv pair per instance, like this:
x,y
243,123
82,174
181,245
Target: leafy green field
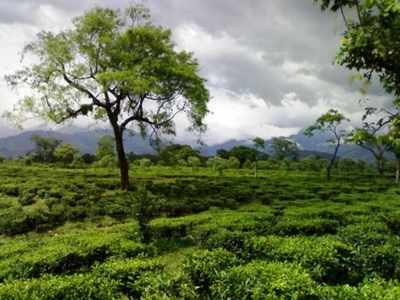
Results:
x,y
72,234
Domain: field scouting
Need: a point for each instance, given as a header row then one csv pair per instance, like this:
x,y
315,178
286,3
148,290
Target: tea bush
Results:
x,y
65,253
264,280
204,267
69,233
80,286
327,259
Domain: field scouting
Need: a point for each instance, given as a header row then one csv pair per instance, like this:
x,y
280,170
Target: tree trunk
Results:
x,y
397,171
255,169
122,160
332,161
328,172
380,166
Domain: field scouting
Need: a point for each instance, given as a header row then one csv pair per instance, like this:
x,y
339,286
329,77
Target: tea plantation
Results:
x,y
72,234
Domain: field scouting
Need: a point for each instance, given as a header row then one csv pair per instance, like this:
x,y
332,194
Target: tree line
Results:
x,y
117,66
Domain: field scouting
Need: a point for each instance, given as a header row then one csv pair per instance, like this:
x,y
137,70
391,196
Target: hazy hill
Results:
x,y
86,140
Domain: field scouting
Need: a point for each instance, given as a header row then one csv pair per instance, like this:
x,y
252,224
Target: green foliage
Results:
x,y
264,280
145,206
66,153
44,148
171,155
233,163
67,253
242,153
330,122
282,235
374,289
204,267
327,259
80,286
284,148
370,43
107,161
193,161
112,65
144,163
105,147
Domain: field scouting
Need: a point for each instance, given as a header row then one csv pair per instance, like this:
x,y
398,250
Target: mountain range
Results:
x,y
14,144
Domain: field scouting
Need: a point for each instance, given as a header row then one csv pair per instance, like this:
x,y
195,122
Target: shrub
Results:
x,y
81,286
107,161
155,286
204,267
144,163
315,226
69,253
128,273
375,289
264,280
327,259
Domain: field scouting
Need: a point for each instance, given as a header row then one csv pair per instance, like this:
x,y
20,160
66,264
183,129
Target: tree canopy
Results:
x,y
113,65
285,148
44,148
371,42
330,122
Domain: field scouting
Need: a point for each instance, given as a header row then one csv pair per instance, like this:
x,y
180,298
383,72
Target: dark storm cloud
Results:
x,y
25,11
286,31
297,42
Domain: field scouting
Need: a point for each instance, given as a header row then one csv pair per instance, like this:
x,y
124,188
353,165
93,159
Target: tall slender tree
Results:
x,y
330,122
116,66
259,144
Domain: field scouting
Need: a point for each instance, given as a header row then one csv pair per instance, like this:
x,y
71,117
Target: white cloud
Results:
x,y
238,116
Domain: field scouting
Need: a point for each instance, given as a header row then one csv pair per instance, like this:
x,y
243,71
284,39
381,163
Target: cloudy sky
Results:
x,y
269,63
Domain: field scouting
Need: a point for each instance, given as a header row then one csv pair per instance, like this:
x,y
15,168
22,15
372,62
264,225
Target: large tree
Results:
x,y
371,42
113,65
330,122
394,144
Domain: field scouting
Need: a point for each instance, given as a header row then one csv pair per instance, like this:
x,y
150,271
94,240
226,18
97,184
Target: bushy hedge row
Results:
x,y
66,253
112,280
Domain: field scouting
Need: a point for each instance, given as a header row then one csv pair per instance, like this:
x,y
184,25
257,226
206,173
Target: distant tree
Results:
x,y
312,163
259,144
172,154
372,136
217,164
44,148
330,122
88,158
107,161
223,153
374,143
247,164
105,147
285,148
66,153
243,153
144,163
113,65
193,162
233,163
